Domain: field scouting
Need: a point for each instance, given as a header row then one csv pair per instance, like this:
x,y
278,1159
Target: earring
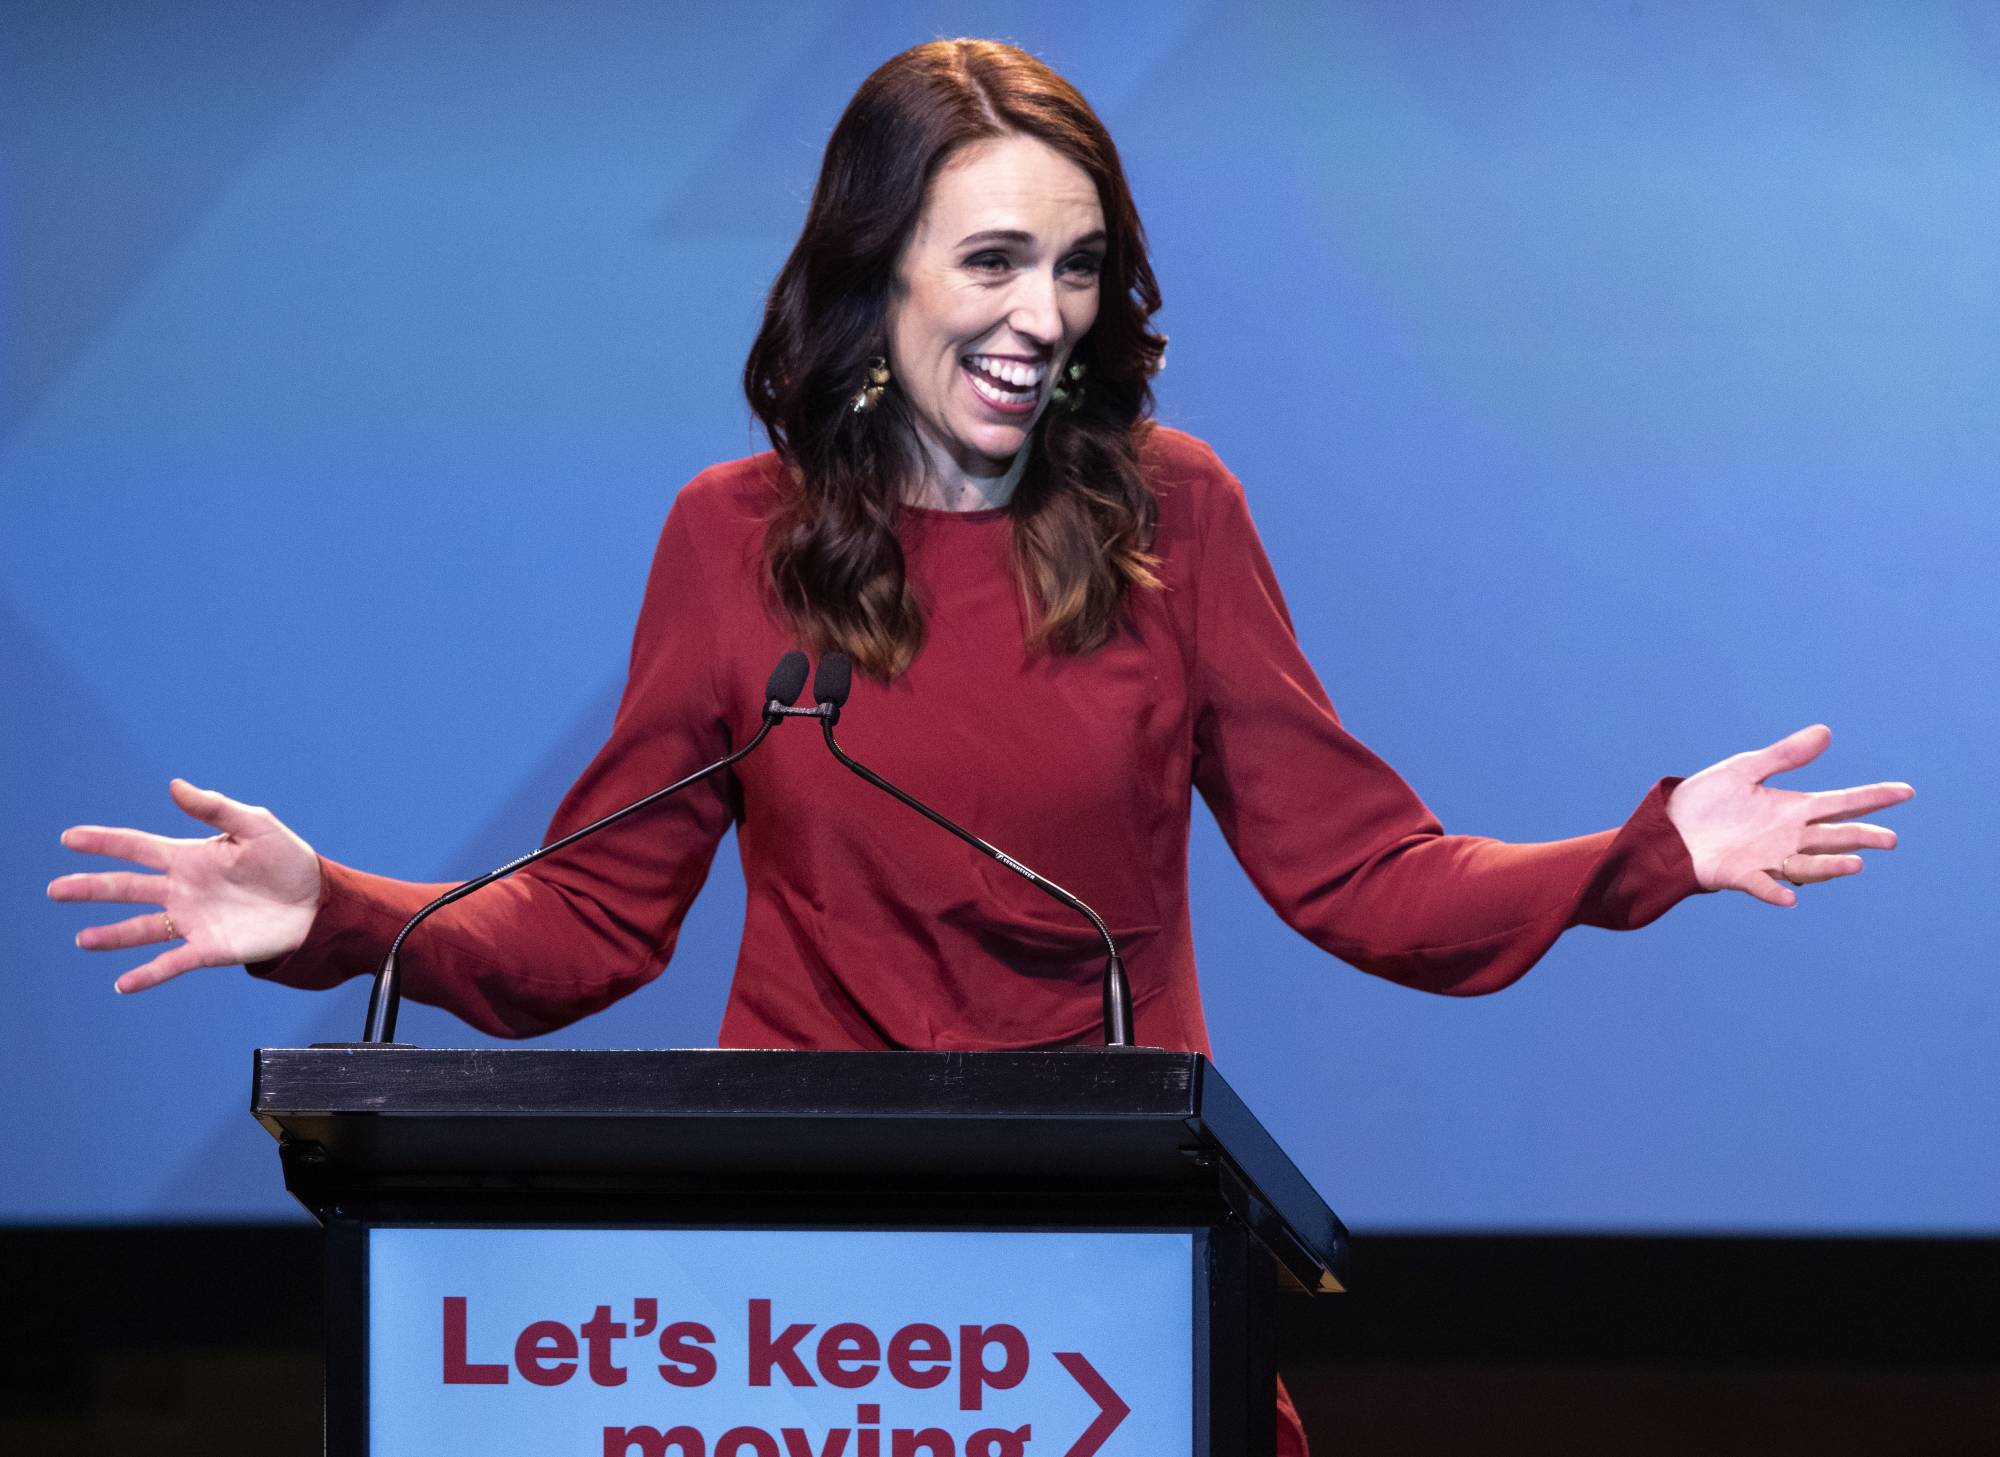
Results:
x,y
870,395
1069,390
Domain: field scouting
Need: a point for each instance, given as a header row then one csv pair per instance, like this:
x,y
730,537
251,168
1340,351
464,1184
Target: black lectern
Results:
x,y
774,1254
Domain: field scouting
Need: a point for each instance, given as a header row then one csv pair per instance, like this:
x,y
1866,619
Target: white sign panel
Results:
x,y
779,1343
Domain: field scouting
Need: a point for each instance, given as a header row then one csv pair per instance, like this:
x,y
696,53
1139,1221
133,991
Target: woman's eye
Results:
x,y
1083,265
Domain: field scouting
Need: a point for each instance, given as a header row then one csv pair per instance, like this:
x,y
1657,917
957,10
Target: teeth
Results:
x,y
990,391
1020,376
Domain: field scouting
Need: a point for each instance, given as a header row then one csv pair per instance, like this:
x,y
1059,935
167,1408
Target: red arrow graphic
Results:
x,y
1111,1408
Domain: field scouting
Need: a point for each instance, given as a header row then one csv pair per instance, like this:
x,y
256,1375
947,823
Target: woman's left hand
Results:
x,y
1744,835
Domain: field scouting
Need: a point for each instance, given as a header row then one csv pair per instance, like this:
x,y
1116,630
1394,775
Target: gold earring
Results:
x,y
1069,389
870,395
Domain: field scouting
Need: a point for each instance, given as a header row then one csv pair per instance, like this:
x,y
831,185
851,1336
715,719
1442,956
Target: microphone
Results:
x,y
831,685
780,692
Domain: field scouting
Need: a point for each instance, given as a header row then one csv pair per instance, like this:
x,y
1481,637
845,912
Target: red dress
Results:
x,y
867,927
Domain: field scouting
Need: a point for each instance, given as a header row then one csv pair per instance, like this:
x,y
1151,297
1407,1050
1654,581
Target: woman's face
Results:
x,y
993,290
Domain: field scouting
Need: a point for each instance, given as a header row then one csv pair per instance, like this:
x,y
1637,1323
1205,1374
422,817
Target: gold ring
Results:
x,y
1786,875
172,934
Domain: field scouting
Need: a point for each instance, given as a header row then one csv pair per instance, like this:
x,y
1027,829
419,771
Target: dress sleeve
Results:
x,y
1342,848
572,934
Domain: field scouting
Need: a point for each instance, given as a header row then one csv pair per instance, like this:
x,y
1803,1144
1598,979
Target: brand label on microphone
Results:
x,y
779,1343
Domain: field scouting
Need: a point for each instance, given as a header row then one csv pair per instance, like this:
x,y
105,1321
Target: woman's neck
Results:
x,y
949,485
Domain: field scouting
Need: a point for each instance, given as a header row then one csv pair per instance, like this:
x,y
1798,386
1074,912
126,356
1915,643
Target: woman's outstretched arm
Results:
x,y
525,955
1348,854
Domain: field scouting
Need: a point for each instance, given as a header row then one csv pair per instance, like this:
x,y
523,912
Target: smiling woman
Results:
x,y
1070,627
998,266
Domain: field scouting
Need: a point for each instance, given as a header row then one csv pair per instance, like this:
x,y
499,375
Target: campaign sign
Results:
x,y
779,1343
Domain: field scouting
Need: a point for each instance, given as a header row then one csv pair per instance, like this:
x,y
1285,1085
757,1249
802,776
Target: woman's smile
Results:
x,y
1005,383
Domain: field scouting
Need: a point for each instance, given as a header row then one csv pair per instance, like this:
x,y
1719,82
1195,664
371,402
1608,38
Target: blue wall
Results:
x,y
1615,387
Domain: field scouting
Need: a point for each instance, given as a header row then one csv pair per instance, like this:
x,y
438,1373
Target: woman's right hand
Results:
x,y
246,893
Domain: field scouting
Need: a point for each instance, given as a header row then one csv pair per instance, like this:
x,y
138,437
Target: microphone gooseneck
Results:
x,y
831,684
781,690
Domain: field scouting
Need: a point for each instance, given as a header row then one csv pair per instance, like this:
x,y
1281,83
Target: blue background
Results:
x,y
1614,385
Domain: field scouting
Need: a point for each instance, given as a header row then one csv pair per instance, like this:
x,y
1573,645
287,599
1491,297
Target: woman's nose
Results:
x,y
1035,315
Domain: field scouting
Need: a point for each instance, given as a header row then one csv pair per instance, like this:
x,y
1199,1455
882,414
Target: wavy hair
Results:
x,y
1083,519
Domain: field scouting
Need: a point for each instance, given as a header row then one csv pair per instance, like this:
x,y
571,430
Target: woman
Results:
x,y
1066,625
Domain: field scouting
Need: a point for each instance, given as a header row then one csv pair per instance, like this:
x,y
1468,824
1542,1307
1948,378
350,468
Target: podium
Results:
x,y
771,1254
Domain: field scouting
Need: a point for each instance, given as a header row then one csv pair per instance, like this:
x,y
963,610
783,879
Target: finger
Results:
x,y
1832,839
164,967
110,885
1839,804
1790,752
1812,869
134,845
230,816
147,930
1769,890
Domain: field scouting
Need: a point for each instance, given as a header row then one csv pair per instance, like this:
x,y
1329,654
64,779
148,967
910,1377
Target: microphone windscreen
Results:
x,y
833,680
787,679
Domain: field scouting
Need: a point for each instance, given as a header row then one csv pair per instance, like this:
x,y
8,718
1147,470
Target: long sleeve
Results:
x,y
574,933
1341,847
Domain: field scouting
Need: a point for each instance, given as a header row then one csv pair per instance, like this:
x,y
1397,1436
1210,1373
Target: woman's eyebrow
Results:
x,y
1016,235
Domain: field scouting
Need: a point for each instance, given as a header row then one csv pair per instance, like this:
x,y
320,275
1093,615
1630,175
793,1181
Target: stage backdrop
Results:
x,y
1614,386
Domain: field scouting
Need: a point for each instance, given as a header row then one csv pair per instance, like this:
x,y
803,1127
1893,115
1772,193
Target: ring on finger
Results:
x,y
172,934
1786,875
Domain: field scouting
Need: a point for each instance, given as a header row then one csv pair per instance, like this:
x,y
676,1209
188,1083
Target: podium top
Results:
x,y
1124,1122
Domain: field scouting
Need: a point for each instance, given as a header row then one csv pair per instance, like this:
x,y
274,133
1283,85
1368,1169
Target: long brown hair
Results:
x,y
1083,520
